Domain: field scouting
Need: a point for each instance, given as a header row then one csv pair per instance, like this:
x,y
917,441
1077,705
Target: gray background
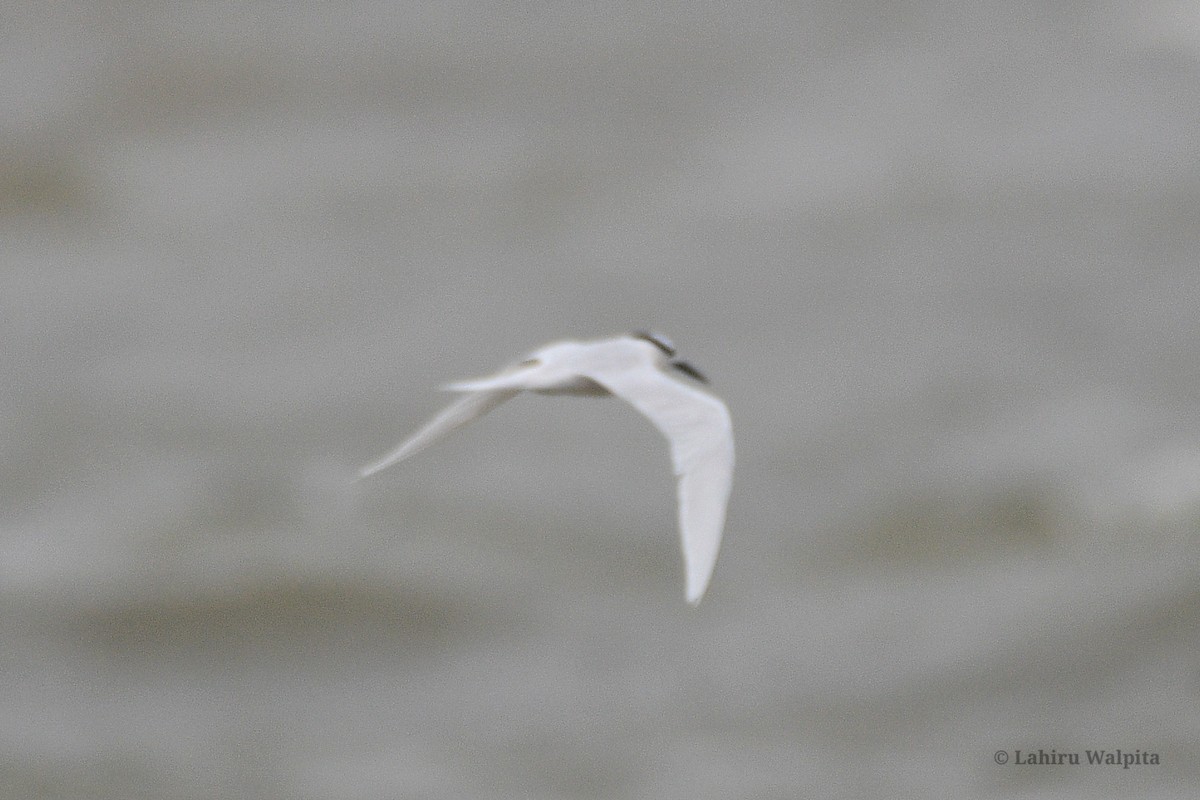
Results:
x,y
940,259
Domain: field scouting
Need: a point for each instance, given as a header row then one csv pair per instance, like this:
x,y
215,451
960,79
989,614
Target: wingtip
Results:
x,y
380,466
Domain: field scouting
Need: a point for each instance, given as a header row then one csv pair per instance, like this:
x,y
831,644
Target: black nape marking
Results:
x,y
656,339
688,369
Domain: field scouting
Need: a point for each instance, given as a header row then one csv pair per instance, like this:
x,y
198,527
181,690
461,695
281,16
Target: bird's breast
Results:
x,y
575,385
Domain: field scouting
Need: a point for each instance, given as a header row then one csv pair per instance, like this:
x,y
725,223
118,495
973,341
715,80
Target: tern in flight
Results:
x,y
641,369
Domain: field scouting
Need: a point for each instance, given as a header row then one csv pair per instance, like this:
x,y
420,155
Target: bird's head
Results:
x,y
656,339
668,348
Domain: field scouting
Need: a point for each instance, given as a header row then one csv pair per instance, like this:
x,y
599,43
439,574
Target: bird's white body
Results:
x,y
640,370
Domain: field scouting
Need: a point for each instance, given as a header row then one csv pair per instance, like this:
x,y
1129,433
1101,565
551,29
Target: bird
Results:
x,y
642,369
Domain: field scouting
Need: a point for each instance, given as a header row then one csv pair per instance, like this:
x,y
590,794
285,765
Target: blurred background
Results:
x,y
939,258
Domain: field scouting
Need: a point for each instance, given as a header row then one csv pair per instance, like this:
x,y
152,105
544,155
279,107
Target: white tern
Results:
x,y
641,369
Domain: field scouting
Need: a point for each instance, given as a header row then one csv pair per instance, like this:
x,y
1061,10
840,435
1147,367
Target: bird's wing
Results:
x,y
700,433
467,408
514,378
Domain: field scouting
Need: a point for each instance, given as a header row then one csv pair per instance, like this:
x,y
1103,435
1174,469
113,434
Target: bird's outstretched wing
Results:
x,y
466,409
700,433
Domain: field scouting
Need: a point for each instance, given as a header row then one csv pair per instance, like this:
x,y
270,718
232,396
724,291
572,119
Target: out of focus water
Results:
x,y
941,260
